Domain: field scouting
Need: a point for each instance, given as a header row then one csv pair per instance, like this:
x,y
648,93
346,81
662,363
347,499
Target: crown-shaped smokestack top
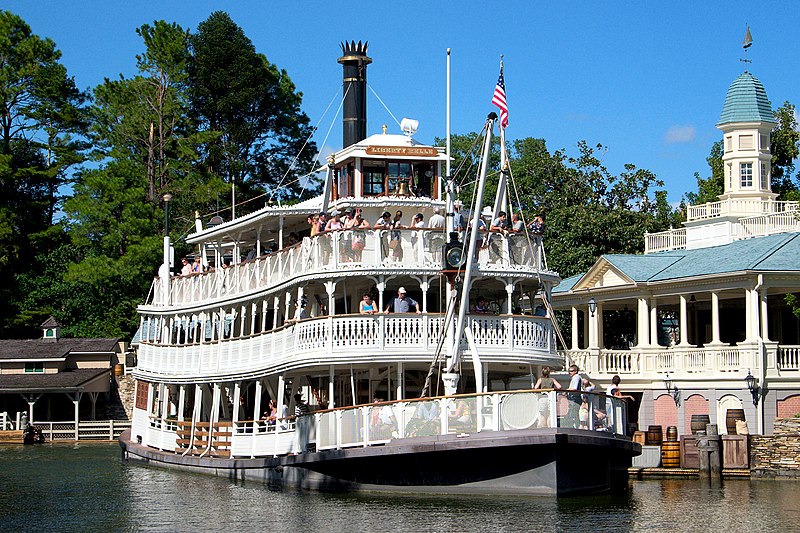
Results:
x,y
354,49
354,63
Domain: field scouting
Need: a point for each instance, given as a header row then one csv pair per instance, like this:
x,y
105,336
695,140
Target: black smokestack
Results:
x,y
354,62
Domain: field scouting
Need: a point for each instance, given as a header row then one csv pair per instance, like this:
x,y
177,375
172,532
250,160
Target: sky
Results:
x,y
645,79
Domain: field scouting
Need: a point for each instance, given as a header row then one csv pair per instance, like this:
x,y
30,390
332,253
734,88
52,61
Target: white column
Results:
x,y
764,322
399,393
653,322
424,287
599,325
331,403
181,401
237,400
749,329
281,395
684,323
715,318
575,345
330,288
592,321
257,400
755,305
642,329
509,292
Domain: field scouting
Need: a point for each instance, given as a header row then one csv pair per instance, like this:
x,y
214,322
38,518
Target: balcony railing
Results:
x,y
672,239
789,357
762,225
738,207
359,249
350,338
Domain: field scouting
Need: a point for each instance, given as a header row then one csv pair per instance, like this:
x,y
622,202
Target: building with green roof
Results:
x,y
704,308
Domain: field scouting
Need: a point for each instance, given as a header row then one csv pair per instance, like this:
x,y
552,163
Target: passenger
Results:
x,y
396,242
402,304
437,238
334,224
574,397
545,382
539,311
586,403
292,240
384,223
359,240
197,267
615,390
459,224
367,305
461,412
499,224
517,241
346,246
418,223
322,221
481,307
301,424
187,268
382,421
313,223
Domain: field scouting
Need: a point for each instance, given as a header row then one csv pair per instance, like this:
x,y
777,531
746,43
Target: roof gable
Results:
x,y
603,274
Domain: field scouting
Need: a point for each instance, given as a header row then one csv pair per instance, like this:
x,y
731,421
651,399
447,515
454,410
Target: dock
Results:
x,y
11,437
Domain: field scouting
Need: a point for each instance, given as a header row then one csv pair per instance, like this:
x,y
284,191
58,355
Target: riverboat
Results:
x,y
296,325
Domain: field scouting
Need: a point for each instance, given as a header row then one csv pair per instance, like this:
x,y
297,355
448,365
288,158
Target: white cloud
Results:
x,y
680,134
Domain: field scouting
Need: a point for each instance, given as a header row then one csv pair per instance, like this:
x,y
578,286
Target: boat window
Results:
x,y
373,180
397,173
345,181
34,367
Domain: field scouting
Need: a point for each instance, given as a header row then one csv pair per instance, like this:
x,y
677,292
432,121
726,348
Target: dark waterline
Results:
x,y
86,487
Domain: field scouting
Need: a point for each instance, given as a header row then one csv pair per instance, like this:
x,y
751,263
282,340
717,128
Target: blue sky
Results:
x,y
646,79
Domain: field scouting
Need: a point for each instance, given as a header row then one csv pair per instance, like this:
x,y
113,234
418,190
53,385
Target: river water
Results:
x,y
87,487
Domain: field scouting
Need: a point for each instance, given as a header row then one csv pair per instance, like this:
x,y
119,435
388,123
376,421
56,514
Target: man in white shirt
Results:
x,y
437,238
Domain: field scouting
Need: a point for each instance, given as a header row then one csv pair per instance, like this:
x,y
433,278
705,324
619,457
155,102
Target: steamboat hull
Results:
x,y
556,462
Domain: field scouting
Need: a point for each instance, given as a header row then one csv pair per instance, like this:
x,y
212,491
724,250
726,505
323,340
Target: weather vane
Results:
x,y
747,43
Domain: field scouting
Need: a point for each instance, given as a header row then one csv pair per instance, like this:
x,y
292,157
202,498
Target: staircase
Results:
x,y
219,435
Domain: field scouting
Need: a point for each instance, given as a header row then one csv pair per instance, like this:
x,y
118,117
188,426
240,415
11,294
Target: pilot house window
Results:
x,y
373,181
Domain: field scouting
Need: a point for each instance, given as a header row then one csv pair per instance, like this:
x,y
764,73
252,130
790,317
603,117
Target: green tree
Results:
x,y
785,148
42,122
253,108
709,189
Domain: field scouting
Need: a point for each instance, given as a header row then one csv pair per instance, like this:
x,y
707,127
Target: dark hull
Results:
x,y
549,462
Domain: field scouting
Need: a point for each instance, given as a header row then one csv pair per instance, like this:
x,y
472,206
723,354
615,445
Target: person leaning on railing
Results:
x,y
545,382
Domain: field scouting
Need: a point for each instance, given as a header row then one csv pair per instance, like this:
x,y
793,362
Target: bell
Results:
x,y
402,189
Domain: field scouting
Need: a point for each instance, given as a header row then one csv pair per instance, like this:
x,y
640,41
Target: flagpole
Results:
x,y
448,181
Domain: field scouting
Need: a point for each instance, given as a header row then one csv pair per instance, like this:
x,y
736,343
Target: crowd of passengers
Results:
x,y
353,244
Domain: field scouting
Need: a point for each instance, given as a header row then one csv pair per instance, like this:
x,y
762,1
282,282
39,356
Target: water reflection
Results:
x,y
86,487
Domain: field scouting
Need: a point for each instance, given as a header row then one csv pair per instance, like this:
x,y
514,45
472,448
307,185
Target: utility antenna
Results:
x,y
747,43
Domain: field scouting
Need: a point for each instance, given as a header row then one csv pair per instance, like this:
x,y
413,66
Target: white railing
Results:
x,y
89,430
507,338
345,249
619,362
379,423
762,225
672,239
652,362
789,358
738,207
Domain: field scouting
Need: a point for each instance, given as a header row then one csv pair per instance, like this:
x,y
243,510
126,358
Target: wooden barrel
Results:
x,y
671,454
698,424
654,436
119,370
672,433
730,419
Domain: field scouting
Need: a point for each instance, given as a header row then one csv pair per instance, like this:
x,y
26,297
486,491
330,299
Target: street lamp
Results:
x,y
672,389
167,197
752,385
592,307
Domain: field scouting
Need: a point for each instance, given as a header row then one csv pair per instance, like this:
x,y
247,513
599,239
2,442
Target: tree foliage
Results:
x,y
42,120
253,108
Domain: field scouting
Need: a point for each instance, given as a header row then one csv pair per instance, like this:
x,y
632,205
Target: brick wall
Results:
x,y
789,407
694,405
665,411
777,455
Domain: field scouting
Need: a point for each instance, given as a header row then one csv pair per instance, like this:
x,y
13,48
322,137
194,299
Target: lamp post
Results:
x,y
164,271
592,306
752,385
672,389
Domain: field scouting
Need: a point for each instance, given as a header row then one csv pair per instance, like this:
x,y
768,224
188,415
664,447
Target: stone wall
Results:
x,y
777,455
127,387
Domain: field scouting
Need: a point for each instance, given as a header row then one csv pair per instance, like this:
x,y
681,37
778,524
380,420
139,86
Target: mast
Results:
x,y
451,377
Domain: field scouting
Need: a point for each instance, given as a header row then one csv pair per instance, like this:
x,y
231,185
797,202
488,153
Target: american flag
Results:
x,y
499,98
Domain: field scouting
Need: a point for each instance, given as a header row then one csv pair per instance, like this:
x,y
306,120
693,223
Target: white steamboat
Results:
x,y
283,323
